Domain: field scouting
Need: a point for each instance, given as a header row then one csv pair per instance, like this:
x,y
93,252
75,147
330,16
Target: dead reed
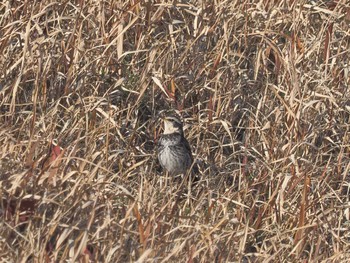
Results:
x,y
263,87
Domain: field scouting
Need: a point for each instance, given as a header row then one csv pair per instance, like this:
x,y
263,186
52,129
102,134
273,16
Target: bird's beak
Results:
x,y
165,119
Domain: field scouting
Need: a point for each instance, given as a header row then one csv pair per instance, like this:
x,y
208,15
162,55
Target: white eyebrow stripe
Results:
x,y
170,118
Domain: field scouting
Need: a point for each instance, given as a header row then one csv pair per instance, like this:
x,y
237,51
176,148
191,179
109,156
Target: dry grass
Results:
x,y
262,87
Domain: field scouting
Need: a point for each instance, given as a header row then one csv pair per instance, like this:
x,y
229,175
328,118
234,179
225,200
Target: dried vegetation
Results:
x,y
263,90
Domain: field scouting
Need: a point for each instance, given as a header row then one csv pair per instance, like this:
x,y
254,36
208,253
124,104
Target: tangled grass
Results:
x,y
262,86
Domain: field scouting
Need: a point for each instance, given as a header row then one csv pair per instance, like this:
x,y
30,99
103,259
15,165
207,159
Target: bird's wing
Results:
x,y
188,147
159,144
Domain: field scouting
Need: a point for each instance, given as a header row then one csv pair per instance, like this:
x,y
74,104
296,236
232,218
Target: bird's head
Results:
x,y
172,124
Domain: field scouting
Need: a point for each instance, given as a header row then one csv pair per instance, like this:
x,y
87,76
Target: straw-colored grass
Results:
x,y
262,86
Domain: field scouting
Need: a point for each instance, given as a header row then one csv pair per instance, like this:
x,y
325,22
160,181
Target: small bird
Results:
x,y
174,151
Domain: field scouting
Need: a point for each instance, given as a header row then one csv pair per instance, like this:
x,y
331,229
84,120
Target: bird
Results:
x,y
174,151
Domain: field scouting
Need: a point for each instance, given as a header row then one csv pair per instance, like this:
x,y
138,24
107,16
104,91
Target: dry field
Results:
x,y
262,87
